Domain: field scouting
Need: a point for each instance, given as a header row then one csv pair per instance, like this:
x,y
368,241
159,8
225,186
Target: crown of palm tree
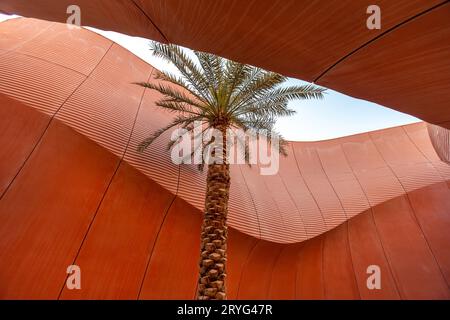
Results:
x,y
222,94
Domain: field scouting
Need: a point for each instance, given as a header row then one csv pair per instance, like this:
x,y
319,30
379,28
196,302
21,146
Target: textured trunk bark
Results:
x,y
213,252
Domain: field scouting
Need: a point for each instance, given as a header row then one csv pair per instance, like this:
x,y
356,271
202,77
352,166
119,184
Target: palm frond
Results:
x,y
291,93
185,65
259,86
172,94
180,82
273,109
223,93
177,121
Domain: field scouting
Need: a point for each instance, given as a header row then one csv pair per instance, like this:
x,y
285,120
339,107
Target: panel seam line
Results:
x,y
367,43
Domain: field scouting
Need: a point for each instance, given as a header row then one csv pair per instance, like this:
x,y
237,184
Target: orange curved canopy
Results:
x,y
73,190
404,65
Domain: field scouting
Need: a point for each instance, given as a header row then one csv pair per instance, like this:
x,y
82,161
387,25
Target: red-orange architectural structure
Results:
x,y
74,190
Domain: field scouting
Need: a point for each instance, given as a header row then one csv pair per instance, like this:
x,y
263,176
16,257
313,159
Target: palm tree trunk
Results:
x,y
213,252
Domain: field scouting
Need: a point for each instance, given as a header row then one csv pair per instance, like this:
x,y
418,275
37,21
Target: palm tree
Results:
x,y
222,95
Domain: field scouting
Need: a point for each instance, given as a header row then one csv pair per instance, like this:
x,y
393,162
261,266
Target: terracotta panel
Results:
x,y
366,250
411,60
319,186
413,265
402,65
257,272
395,146
388,143
155,161
120,68
57,42
103,113
339,275
346,186
440,139
290,215
42,85
273,34
242,212
284,274
417,176
270,220
104,107
421,140
15,32
239,247
380,185
46,213
310,276
114,255
17,123
415,132
176,255
361,153
431,207
306,204
103,14
318,183
443,169
371,170
62,182
192,185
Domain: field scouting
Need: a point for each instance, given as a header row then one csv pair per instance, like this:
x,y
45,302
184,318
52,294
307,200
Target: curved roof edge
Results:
x,y
85,81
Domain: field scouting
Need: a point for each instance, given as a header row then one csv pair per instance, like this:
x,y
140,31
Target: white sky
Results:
x,y
334,116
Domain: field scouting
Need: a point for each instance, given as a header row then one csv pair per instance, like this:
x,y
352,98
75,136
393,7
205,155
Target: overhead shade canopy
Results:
x,y
404,65
74,190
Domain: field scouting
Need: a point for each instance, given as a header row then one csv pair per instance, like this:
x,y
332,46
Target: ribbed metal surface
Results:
x,y
192,185
403,65
308,210
103,14
342,179
15,33
290,216
270,220
375,177
242,205
71,202
155,162
57,43
319,186
102,113
40,84
104,107
440,138
395,146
